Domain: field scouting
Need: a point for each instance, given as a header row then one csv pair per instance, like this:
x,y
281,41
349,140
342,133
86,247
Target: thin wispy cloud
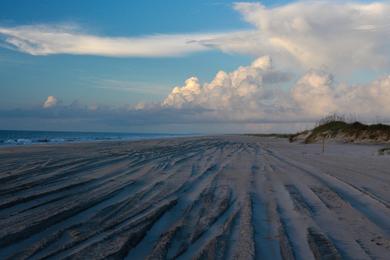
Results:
x,y
129,86
62,39
308,34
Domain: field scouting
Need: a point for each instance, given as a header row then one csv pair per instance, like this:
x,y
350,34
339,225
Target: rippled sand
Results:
x,y
194,198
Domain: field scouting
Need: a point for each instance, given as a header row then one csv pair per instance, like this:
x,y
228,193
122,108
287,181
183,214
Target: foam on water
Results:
x,y
12,137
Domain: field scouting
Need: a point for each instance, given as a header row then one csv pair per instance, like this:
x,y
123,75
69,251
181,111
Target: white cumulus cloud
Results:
x,y
317,94
314,94
247,93
254,93
51,101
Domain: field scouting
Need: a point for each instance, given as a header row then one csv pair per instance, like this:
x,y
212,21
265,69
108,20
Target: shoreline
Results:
x,y
156,137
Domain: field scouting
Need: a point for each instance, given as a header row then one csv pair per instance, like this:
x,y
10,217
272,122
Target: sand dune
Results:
x,y
227,197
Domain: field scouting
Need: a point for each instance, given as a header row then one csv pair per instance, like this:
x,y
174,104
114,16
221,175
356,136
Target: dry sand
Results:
x,y
227,197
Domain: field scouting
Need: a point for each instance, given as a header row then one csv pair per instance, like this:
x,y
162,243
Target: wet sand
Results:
x,y
226,197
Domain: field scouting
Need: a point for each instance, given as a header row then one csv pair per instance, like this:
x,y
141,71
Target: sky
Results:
x,y
192,65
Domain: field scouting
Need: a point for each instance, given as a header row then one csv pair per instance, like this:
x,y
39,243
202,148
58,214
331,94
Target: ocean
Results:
x,y
14,137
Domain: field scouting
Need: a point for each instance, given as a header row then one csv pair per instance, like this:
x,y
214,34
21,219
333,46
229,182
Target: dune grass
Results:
x,y
352,131
384,151
337,127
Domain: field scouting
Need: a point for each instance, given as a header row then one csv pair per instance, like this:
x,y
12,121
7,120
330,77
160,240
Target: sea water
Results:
x,y
15,137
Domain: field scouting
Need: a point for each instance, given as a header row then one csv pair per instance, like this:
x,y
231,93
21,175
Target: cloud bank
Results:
x,y
250,95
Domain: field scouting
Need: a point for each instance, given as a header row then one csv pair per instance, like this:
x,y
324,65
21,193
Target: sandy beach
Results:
x,y
224,197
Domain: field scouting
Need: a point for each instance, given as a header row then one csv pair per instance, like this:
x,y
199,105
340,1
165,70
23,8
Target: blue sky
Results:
x,y
27,80
85,71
